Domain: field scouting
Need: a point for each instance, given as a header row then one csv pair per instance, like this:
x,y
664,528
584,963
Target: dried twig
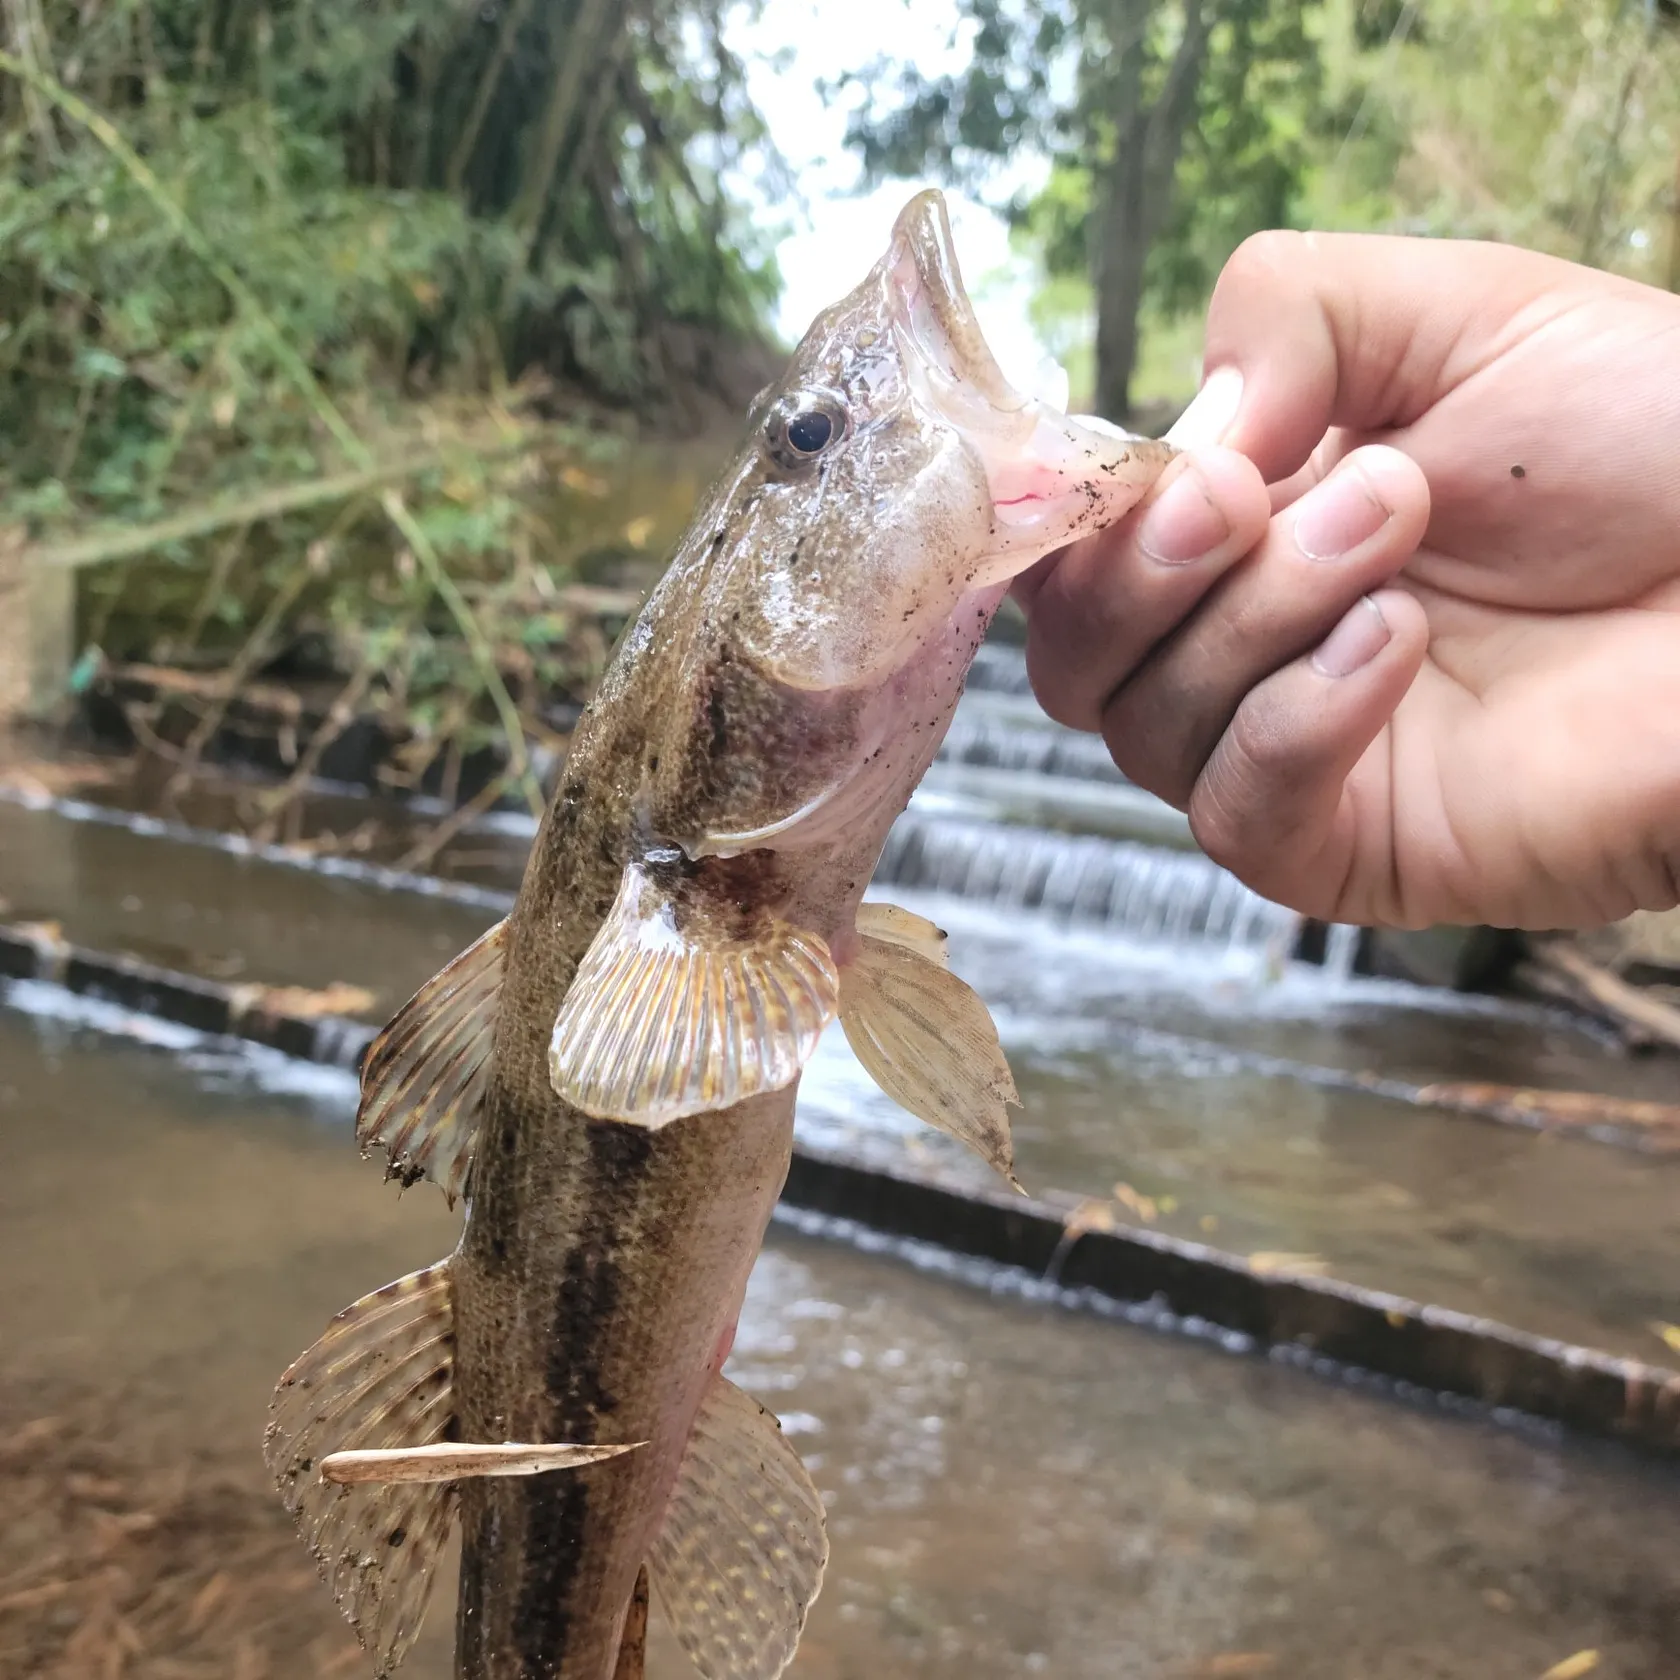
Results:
x,y
1628,1005
435,839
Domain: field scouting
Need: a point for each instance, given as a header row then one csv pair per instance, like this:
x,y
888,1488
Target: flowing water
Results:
x,y
1224,1086
1013,1491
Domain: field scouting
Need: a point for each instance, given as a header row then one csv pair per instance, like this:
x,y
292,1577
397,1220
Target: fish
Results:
x,y
608,1076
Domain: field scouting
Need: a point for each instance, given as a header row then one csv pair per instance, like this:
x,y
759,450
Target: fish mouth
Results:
x,y
935,320
1052,478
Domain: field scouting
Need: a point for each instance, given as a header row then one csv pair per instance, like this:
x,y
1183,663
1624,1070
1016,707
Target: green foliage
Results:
x,y
246,248
1552,123
1190,120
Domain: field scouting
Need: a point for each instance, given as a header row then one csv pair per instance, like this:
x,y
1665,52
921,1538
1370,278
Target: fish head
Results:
x,y
895,472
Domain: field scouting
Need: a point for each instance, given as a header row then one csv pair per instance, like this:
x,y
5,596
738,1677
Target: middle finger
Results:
x,y
1343,538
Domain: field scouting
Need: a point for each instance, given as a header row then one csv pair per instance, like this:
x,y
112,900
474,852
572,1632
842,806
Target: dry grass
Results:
x,y
115,1570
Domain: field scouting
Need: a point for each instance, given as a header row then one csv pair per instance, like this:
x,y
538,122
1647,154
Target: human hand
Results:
x,y
1432,674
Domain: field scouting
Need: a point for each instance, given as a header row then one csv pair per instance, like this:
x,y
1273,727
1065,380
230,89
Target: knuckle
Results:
x,y
1262,752
1149,756
1263,257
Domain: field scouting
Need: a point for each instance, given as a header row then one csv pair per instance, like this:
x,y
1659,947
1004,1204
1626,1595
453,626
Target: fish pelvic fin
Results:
x,y
424,1076
688,1000
381,1376
894,925
925,1037
739,1558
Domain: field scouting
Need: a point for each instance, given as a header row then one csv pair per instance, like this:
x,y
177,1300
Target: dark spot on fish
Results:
x,y
557,1513
1519,471
396,1537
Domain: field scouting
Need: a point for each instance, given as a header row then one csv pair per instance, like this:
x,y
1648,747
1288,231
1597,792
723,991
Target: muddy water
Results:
x,y
1201,1080
1012,1491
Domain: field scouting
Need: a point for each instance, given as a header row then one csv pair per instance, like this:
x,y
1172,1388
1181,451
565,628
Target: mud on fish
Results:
x,y
608,1076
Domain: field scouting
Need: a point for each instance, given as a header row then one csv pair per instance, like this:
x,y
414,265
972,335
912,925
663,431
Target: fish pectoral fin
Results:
x,y
453,1461
739,1559
928,1040
687,1001
381,1377
424,1075
896,926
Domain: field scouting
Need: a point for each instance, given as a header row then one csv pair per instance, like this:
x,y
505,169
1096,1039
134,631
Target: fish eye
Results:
x,y
803,425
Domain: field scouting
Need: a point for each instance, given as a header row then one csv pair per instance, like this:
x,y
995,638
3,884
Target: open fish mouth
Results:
x,y
935,320
1051,477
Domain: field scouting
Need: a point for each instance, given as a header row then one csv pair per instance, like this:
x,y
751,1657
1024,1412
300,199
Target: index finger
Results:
x,y
1360,331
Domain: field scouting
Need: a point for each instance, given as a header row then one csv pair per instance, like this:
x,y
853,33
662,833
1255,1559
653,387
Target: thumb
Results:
x,y
1293,800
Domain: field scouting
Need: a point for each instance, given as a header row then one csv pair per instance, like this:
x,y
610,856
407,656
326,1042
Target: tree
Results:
x,y
1174,128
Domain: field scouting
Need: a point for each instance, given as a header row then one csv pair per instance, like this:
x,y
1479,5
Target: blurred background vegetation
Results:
x,y
381,345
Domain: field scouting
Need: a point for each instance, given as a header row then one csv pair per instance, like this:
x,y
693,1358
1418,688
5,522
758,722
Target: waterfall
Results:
x,y
998,669
975,738
1145,892
1341,949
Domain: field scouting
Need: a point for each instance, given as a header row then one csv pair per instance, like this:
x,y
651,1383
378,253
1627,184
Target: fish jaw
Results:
x,y
1052,477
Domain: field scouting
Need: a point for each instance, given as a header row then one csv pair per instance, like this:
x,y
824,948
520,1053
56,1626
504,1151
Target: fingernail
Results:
x,y
1339,514
1355,642
1183,524
1211,410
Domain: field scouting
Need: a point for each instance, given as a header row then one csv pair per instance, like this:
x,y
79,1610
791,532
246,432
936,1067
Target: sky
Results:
x,y
838,233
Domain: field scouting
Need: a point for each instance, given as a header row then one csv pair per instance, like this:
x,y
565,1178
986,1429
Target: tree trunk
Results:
x,y
1135,188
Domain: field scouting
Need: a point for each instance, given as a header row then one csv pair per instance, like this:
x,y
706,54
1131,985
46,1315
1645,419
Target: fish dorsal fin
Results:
x,y
424,1075
688,1001
740,1557
381,1376
927,1039
896,926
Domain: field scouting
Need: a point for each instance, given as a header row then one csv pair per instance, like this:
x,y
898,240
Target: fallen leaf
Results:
x,y
29,1598
1268,1261
1237,1665
1089,1216
339,998
1145,1207
1209,1222
82,1486
1572,1668
206,1599
1494,1599
1668,1334
575,478
637,532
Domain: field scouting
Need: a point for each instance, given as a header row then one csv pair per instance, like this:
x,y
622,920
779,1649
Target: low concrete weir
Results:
x,y
1036,1249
